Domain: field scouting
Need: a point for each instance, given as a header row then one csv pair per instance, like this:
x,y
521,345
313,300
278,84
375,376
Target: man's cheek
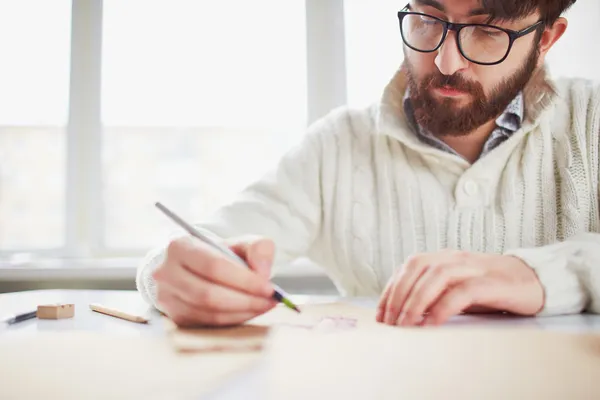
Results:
x,y
421,65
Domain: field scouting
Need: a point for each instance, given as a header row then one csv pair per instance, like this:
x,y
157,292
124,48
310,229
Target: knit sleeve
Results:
x,y
569,273
284,205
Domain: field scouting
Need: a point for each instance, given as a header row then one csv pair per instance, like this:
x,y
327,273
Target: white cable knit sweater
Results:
x,y
361,193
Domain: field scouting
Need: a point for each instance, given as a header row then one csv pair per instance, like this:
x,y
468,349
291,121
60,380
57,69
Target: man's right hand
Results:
x,y
197,285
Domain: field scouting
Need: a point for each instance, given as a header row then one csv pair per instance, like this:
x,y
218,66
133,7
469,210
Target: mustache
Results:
x,y
457,82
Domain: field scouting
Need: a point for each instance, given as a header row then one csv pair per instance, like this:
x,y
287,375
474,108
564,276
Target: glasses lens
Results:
x,y
484,44
422,32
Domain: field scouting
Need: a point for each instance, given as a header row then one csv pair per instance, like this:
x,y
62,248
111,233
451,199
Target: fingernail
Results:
x,y
380,315
268,289
263,264
388,318
401,318
261,253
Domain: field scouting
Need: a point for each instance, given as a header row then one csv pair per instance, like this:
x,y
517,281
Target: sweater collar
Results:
x,y
538,94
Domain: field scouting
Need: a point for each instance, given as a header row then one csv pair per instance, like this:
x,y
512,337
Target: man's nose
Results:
x,y
449,59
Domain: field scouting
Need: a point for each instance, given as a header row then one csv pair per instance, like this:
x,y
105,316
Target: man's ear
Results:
x,y
550,36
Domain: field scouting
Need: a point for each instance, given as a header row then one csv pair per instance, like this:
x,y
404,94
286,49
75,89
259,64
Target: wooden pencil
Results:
x,y
118,314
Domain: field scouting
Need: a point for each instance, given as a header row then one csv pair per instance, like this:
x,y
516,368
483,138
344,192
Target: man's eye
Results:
x,y
428,20
490,32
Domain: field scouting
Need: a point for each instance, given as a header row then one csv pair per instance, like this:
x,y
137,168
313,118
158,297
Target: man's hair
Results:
x,y
507,10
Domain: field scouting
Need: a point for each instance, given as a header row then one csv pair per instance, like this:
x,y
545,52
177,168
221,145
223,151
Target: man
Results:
x,y
472,186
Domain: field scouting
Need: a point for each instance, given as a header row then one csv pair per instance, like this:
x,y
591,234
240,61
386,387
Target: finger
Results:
x,y
258,253
208,263
383,301
209,296
410,273
455,300
185,315
430,287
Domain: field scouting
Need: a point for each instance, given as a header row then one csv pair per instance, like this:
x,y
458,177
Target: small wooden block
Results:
x,y
55,311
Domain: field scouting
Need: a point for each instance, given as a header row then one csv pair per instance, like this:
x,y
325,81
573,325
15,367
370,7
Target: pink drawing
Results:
x,y
336,323
326,324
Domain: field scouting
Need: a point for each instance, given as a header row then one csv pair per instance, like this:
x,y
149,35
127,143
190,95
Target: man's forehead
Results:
x,y
499,10
466,8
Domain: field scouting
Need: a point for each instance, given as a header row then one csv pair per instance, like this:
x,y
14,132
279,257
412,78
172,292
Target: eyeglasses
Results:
x,y
479,43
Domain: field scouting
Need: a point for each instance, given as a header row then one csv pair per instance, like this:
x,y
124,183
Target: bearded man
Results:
x,y
471,186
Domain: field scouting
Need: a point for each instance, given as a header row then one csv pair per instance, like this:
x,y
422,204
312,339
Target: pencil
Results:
x,y
19,318
278,295
118,314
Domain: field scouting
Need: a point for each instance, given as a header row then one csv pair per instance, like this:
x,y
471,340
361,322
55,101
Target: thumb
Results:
x,y
258,253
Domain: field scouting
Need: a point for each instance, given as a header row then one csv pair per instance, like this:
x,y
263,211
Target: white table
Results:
x,y
242,388
85,319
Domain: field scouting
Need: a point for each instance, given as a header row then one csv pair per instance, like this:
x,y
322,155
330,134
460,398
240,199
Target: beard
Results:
x,y
444,117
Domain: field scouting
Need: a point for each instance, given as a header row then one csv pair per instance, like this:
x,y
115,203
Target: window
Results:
x,y
198,99
577,44
373,48
34,77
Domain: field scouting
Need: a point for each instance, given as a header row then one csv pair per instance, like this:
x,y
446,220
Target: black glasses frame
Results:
x,y
451,26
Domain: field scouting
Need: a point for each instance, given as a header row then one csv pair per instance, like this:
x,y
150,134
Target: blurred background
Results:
x,y
107,106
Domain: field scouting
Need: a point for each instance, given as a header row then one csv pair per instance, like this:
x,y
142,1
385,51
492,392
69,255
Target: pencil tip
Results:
x,y
297,309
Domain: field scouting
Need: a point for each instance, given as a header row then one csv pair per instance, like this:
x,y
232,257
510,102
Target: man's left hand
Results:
x,y
431,288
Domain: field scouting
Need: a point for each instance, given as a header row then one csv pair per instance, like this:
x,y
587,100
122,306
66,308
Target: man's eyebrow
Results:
x,y
432,3
439,6
478,12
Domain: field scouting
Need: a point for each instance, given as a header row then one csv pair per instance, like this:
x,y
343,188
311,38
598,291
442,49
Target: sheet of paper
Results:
x,y
432,363
84,365
325,317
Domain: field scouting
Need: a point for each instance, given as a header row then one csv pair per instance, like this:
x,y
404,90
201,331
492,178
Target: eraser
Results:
x,y
55,311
